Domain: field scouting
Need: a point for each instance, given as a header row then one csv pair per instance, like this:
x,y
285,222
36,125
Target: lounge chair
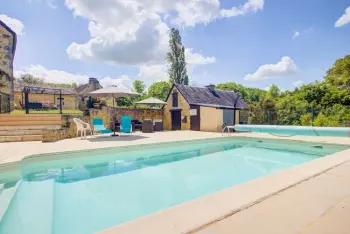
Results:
x,y
99,126
125,125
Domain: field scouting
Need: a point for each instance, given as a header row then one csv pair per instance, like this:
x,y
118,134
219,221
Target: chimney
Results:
x,y
211,87
94,83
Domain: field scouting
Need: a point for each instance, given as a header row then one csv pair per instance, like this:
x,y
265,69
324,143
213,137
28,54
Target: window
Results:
x,y
175,99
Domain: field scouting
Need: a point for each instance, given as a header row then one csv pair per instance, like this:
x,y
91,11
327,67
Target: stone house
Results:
x,y
8,40
201,108
84,90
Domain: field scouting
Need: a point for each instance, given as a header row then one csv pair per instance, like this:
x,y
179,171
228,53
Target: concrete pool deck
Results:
x,y
313,197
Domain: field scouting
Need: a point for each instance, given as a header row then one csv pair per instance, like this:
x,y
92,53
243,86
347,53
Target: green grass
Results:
x,y
23,112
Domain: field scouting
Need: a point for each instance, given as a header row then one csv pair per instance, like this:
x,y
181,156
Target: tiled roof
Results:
x,y
204,96
35,88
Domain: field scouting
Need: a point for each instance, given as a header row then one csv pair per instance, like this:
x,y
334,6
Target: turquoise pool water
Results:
x,y
88,191
296,130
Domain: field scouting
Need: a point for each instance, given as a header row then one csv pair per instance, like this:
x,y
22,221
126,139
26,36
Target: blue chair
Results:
x,y
125,125
99,126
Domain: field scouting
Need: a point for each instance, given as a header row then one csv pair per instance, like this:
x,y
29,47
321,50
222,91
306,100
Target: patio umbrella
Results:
x,y
113,91
152,101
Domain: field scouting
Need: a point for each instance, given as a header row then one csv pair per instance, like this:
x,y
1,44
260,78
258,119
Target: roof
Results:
x,y
85,89
203,96
151,101
46,89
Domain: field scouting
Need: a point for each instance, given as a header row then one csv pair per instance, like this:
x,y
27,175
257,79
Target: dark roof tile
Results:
x,y
203,96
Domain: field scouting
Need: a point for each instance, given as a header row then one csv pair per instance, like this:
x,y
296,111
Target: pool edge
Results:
x,y
194,215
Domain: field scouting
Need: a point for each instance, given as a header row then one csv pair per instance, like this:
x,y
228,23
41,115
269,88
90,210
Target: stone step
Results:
x,y
7,117
30,127
16,132
21,138
30,122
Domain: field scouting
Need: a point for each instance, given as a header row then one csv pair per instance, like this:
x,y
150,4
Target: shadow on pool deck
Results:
x,y
116,138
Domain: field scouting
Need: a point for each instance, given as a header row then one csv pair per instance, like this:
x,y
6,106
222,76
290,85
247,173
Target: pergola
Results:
x,y
40,90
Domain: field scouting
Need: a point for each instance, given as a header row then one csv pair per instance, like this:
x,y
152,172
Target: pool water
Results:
x,y
88,191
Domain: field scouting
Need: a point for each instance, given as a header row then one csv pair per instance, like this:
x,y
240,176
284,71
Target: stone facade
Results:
x,y
185,111
8,40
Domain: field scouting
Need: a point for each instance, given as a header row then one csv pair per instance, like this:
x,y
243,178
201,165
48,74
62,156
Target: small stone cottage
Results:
x,y
201,108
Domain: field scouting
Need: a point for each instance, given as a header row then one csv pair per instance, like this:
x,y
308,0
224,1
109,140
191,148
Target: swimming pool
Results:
x,y
296,130
88,191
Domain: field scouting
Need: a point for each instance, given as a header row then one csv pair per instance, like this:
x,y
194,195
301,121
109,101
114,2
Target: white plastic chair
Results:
x,y
86,126
80,128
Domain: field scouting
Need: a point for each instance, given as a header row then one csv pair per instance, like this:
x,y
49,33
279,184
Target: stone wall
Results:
x,y
8,41
111,114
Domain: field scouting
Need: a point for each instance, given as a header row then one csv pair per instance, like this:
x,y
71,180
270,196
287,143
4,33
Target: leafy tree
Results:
x,y
159,90
248,94
139,86
273,92
176,59
124,102
339,75
30,79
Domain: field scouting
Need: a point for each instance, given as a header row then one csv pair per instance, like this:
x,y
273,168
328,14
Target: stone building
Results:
x,y
84,90
201,108
8,40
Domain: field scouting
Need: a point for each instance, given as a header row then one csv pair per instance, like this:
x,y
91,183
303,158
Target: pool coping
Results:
x,y
197,214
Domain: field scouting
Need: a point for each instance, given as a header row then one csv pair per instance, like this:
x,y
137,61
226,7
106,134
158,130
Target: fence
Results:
x,y
306,117
5,103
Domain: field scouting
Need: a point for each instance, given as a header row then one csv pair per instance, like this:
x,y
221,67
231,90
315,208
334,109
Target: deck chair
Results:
x,y
125,125
99,126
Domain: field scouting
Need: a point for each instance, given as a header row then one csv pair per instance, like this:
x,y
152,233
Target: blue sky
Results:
x,y
252,42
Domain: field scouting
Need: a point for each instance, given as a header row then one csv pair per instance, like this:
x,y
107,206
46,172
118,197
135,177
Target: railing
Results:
x,y
5,103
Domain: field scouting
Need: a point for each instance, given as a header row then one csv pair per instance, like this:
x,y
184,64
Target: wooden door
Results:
x,y
176,120
195,118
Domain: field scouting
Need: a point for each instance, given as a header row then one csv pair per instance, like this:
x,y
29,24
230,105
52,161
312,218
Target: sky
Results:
x,y
255,43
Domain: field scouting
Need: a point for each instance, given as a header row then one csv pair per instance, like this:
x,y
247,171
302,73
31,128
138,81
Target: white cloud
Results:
x,y
344,19
153,73
63,77
249,6
136,33
123,82
296,34
53,76
196,58
283,68
298,83
16,25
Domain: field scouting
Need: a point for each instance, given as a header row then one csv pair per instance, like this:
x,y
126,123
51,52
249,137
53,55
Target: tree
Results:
x,y
159,90
30,79
139,86
273,92
176,59
339,74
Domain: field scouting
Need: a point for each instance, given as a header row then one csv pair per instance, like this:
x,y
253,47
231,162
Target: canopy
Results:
x,y
151,101
113,91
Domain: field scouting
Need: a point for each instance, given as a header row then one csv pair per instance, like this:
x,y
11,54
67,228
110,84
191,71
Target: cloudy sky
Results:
x,y
252,42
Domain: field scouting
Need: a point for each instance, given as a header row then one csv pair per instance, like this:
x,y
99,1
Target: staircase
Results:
x,y
16,128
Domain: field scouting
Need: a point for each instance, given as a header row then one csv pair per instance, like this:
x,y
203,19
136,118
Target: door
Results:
x,y
229,117
195,118
176,120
